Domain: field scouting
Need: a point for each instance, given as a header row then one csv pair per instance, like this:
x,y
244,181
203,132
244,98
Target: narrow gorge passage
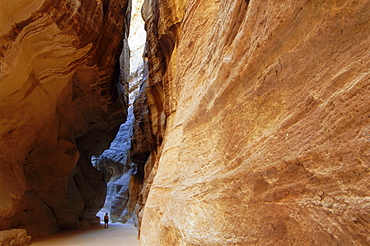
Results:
x,y
64,92
115,163
251,121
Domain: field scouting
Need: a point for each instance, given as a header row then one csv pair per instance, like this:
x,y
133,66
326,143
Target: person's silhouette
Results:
x,y
106,220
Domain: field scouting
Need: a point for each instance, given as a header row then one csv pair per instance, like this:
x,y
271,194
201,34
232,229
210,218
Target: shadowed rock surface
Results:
x,y
257,128
63,96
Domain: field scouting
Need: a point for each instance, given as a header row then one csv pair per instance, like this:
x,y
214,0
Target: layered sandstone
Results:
x,y
258,123
62,100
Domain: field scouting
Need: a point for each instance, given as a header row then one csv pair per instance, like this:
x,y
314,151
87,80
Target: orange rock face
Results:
x,y
62,99
261,118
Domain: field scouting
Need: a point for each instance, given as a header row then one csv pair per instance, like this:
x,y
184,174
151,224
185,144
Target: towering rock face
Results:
x,y
62,99
259,128
120,172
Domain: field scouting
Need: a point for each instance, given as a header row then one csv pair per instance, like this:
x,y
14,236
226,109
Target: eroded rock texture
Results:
x,y
14,237
62,99
259,118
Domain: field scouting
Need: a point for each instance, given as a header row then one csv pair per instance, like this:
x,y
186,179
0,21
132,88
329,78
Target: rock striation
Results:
x,y
63,96
257,129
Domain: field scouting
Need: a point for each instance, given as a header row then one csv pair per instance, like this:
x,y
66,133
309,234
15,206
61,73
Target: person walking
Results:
x,y
106,220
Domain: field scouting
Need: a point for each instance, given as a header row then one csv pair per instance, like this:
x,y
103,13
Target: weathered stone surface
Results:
x,y
34,216
259,111
117,168
119,203
16,237
62,100
142,141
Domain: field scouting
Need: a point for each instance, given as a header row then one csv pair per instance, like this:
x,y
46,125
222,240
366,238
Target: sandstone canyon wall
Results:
x,y
63,94
255,123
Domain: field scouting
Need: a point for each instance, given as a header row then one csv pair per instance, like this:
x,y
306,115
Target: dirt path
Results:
x,y
116,234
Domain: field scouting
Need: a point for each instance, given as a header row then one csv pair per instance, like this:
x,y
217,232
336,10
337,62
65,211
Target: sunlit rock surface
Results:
x,y
62,99
259,115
